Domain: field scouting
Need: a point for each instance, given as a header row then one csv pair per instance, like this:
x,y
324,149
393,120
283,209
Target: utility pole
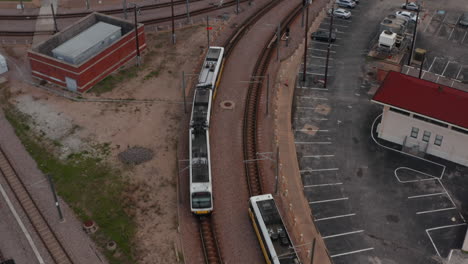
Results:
x,y
22,6
306,38
287,36
87,4
183,91
422,64
237,7
312,252
208,30
268,93
188,11
414,37
278,33
136,36
277,170
172,19
124,6
52,188
328,48
53,16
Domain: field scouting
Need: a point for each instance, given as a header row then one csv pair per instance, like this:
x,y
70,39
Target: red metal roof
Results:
x,y
423,97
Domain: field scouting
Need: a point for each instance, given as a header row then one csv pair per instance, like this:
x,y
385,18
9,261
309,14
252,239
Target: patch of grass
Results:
x,y
92,188
111,81
150,75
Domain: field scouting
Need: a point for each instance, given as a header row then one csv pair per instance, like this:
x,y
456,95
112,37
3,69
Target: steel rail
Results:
x,y
41,226
251,113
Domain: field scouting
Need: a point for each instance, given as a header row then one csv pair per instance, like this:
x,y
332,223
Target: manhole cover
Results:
x,y
227,105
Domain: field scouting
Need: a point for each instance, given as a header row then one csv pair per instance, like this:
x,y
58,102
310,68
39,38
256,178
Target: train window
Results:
x,y
201,200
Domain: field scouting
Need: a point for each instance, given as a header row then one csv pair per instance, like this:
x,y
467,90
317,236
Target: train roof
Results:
x,y
272,226
199,159
201,107
210,67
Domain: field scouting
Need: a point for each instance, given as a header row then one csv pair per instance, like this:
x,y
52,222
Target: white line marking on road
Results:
x,y
311,130
313,88
464,36
20,223
331,51
315,98
450,254
351,252
330,200
325,43
430,67
343,234
336,31
451,32
318,156
306,143
426,195
335,25
312,170
435,210
458,74
446,66
322,185
334,217
429,21
318,57
437,228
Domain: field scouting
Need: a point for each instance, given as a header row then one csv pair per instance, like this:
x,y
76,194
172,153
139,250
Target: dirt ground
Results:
x,y
79,126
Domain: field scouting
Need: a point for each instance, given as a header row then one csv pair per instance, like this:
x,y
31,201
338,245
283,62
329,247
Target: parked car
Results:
x,y
408,16
346,3
323,35
463,19
341,13
411,6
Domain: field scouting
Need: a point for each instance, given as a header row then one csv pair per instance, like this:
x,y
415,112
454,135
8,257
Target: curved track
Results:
x,y
150,21
251,116
30,208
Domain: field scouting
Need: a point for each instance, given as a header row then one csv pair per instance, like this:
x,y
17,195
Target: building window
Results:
x,y
438,140
399,111
414,132
426,136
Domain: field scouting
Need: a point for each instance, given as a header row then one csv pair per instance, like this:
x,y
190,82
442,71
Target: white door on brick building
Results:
x,y
71,84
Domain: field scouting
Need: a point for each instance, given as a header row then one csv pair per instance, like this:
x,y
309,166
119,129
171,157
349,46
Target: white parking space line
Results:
x,y
315,98
318,57
324,43
343,234
430,67
341,20
312,143
329,200
426,195
313,88
437,228
336,31
331,51
307,118
446,66
429,21
322,185
464,36
458,74
312,170
318,156
333,217
335,25
306,107
435,210
351,252
451,32
311,130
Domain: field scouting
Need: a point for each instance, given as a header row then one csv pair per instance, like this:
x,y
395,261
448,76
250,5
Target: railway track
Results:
x,y
107,12
251,114
150,21
30,208
210,245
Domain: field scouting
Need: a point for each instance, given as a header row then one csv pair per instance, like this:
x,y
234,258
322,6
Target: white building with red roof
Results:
x,y
425,116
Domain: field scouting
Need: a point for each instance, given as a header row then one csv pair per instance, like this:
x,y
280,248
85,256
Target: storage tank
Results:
x,y
87,43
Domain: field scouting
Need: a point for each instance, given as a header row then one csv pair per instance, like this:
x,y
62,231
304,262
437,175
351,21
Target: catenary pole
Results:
x,y
328,48
414,37
306,38
422,64
54,194
136,36
172,19
53,16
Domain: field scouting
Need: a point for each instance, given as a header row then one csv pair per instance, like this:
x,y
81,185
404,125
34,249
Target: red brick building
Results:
x,y
83,76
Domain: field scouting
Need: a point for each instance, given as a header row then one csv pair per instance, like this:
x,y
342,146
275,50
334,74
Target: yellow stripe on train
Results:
x,y
259,237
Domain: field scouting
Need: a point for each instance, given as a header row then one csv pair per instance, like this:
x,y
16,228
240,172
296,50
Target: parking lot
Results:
x,y
371,203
